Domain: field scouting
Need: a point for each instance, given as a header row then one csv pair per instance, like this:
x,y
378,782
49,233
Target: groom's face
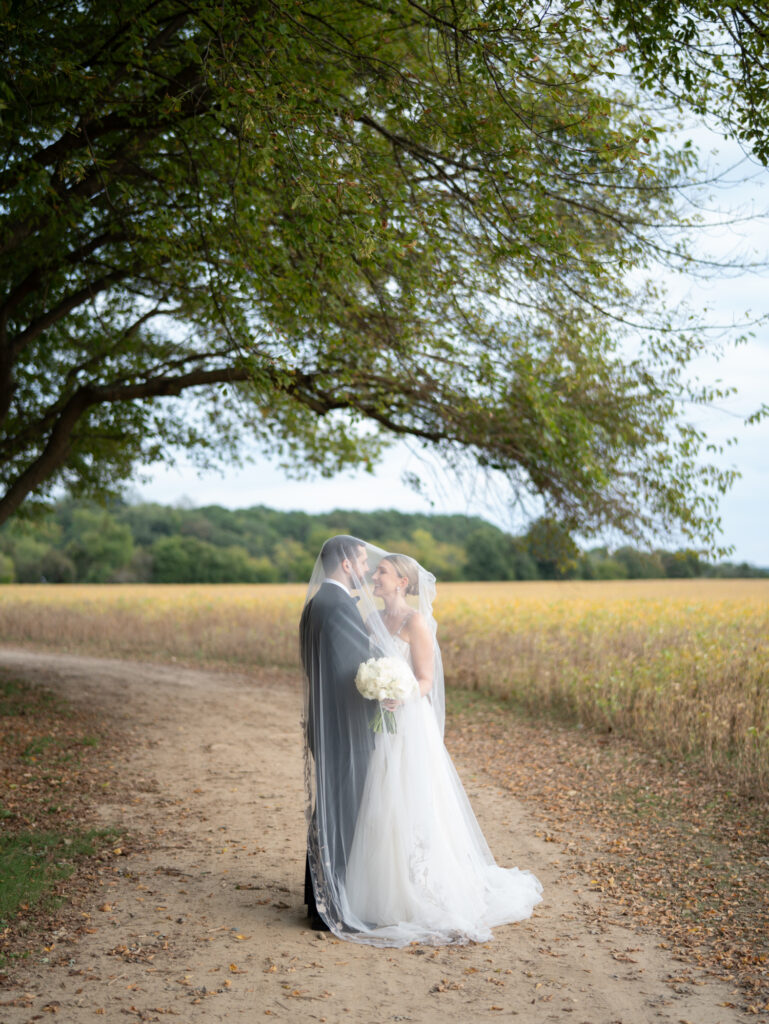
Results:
x,y
359,563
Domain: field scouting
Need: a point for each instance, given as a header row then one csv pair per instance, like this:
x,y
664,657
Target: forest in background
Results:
x,y
81,542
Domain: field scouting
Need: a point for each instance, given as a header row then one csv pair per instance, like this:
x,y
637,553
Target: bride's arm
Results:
x,y
422,655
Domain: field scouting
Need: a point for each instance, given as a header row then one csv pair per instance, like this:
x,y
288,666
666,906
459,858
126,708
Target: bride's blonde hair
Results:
x,y
404,565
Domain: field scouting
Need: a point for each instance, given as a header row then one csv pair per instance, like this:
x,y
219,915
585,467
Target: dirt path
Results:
x,y
206,922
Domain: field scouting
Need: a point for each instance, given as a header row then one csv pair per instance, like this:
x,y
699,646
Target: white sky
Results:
x,y
743,511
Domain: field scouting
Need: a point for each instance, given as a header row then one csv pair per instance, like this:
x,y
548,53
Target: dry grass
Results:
x,y
236,624
682,666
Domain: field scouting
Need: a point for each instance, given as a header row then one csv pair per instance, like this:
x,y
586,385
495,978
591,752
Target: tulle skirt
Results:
x,y
419,867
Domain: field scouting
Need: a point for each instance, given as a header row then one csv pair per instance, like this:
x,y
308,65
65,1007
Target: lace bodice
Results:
x,y
404,648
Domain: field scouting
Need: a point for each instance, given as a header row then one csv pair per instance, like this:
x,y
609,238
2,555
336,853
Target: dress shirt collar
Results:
x,y
337,584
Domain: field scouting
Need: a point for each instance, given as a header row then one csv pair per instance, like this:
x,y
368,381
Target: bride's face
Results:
x,y
386,580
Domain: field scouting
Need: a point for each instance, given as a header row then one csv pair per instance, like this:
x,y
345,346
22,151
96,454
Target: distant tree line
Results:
x,y
78,542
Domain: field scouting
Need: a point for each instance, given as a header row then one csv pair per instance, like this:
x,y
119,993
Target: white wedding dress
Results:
x,y
419,867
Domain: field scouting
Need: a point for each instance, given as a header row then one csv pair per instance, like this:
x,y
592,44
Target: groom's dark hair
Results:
x,y
336,549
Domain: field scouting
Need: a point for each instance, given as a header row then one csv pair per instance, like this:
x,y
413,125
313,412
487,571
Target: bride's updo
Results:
x,y
404,565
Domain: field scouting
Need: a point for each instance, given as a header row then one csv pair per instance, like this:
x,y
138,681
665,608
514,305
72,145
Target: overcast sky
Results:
x,y
744,511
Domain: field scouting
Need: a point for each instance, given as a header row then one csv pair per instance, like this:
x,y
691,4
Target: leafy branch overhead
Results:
x,y
328,224
710,55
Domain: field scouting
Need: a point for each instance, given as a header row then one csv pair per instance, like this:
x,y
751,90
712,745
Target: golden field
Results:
x,y
682,666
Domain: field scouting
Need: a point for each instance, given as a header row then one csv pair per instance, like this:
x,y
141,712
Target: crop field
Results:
x,y
681,666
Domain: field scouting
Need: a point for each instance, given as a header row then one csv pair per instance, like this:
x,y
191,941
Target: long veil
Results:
x,y
394,850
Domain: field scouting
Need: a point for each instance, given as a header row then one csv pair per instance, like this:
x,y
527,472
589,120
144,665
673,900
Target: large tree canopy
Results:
x,y
331,223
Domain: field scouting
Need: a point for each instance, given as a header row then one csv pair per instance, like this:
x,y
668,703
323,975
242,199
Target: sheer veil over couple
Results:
x,y
394,853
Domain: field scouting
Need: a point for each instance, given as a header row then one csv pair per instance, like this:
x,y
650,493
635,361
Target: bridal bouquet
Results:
x,y
385,679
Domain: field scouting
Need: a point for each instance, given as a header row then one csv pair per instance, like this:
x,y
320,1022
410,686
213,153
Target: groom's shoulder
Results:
x,y
327,598
330,593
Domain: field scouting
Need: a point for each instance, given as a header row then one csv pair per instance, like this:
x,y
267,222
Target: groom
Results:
x,y
333,643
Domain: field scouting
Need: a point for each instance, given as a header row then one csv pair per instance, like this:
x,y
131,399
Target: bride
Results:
x,y
417,867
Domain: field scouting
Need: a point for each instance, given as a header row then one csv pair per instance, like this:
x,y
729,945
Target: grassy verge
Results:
x,y
669,846
54,759
32,863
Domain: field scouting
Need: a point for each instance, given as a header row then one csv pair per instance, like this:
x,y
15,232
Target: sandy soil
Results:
x,y
203,919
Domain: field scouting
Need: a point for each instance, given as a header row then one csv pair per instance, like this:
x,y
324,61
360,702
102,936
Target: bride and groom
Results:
x,y
394,852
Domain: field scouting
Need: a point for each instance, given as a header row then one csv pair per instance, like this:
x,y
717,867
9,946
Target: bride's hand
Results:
x,y
391,705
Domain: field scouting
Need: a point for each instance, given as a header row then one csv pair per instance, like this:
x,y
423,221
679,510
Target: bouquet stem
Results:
x,y
383,721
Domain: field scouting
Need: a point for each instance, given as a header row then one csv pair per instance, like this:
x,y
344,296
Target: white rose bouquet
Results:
x,y
385,679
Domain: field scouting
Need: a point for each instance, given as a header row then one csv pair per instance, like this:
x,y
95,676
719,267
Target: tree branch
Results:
x,y
53,456
193,91
57,449
89,291
302,387
34,278
88,131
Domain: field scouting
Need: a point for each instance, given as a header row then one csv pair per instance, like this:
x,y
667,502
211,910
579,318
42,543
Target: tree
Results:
x,y
445,561
598,564
101,546
489,554
187,559
7,569
56,567
176,560
640,564
682,564
323,225
523,565
148,522
27,553
709,54
552,548
291,561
